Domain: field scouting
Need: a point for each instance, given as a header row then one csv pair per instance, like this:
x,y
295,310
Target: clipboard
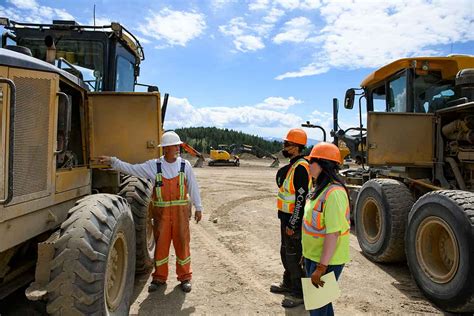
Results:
x,y
318,297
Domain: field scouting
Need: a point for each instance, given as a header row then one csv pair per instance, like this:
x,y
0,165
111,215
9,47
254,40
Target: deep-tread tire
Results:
x,y
78,270
394,202
138,193
456,208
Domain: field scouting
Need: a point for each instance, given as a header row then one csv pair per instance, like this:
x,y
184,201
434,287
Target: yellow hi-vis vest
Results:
x,y
319,220
183,198
286,194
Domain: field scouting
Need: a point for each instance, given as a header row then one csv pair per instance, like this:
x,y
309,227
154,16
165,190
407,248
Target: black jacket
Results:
x,y
300,182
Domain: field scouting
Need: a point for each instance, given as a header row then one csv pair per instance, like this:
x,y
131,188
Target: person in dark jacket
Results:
x,y
294,183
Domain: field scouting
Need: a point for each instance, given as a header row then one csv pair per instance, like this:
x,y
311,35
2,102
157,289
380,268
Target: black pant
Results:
x,y
290,252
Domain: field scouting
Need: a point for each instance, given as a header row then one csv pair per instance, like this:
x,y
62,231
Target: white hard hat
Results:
x,y
170,139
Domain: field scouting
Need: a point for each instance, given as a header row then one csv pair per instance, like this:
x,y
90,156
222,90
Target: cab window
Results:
x,y
379,99
397,101
125,75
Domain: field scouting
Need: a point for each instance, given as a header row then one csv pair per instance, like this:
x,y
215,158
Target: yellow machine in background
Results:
x,y
222,157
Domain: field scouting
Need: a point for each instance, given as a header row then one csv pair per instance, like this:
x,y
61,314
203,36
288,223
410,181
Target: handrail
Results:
x,y
11,139
68,121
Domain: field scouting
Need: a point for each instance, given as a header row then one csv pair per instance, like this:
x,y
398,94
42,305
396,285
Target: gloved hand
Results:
x,y
317,274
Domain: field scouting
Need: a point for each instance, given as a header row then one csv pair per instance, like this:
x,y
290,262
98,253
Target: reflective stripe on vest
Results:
x,y
159,202
286,193
312,226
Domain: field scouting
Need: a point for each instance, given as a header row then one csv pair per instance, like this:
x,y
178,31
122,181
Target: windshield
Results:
x,y
432,93
86,56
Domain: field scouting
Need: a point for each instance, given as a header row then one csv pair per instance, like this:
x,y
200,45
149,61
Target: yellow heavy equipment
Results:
x,y
222,155
75,229
413,196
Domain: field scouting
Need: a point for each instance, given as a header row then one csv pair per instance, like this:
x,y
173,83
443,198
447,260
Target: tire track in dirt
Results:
x,y
223,209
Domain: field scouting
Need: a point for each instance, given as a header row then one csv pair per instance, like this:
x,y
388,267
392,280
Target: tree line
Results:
x,y
203,138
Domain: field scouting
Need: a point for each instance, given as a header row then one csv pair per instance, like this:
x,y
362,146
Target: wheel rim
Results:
x,y
117,266
437,249
371,220
150,236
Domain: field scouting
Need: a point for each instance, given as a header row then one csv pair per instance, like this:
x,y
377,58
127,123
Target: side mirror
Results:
x,y
349,99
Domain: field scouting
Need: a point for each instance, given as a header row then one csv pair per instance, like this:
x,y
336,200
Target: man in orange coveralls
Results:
x,y
174,179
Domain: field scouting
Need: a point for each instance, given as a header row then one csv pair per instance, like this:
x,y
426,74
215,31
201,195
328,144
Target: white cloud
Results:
x,y
219,4
259,5
24,4
246,43
143,40
309,70
310,4
250,119
245,38
288,4
30,11
285,4
273,16
278,103
360,34
174,27
296,30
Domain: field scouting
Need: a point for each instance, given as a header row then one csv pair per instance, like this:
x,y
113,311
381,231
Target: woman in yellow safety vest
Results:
x,y
326,222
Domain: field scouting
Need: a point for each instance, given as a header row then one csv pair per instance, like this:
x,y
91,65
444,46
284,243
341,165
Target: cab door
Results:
x,y
124,124
395,135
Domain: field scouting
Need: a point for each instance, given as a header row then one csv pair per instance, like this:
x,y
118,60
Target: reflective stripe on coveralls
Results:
x,y
286,194
312,226
159,185
171,224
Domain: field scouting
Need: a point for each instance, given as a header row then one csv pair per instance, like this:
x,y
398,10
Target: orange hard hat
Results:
x,y
325,151
297,136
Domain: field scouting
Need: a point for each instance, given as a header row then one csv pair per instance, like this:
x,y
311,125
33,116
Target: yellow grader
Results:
x,y
413,196
73,230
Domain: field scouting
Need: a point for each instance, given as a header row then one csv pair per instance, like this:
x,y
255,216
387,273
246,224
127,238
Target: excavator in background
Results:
x,y
193,152
222,155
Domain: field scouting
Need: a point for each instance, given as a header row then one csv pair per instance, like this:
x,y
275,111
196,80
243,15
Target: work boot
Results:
x,y
291,301
186,286
154,285
279,288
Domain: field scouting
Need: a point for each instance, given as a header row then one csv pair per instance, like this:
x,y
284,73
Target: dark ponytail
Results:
x,y
329,174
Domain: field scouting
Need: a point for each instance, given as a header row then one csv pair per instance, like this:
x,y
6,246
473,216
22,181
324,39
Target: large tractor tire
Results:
x,y
93,269
138,193
440,248
381,213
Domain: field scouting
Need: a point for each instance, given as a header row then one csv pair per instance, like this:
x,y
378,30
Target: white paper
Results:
x,y
318,297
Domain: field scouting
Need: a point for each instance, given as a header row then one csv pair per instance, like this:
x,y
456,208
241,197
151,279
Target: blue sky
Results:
x,y
264,66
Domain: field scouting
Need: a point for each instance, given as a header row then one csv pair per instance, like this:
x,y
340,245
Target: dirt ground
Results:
x,y
235,258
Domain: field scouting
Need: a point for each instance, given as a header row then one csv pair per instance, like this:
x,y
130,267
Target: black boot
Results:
x,y
280,288
186,286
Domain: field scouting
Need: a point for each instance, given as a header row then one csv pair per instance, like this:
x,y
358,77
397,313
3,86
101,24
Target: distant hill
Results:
x,y
202,138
